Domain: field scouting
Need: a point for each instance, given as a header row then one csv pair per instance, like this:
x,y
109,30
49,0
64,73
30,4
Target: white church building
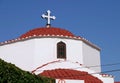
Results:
x,y
56,53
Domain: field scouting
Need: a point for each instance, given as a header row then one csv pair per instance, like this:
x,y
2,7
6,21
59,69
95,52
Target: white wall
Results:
x,y
32,53
91,57
46,50
69,81
74,51
107,80
19,53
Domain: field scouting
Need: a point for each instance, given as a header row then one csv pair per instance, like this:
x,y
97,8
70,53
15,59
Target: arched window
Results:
x,y
61,50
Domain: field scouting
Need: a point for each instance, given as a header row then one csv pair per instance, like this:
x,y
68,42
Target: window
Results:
x,y
61,50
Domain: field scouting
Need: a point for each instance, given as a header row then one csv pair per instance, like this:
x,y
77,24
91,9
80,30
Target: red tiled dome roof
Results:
x,y
70,74
47,31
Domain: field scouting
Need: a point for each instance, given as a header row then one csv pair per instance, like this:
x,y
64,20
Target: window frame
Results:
x,y
61,50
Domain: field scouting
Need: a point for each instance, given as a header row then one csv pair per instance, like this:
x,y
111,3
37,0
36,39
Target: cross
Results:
x,y
48,17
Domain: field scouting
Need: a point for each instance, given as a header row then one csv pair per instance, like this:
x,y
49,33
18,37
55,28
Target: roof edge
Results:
x,y
50,36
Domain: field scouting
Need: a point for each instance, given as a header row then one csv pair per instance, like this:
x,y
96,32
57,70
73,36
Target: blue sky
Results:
x,y
96,20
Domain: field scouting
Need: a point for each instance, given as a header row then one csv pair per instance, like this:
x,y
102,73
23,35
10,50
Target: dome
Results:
x,y
47,31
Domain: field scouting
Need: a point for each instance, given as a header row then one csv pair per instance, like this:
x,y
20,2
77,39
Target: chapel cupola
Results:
x,y
53,43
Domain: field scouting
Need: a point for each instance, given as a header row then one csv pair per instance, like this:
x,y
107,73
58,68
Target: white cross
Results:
x,y
48,17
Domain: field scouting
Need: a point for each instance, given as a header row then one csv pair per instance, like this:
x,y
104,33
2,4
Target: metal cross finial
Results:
x,y
48,17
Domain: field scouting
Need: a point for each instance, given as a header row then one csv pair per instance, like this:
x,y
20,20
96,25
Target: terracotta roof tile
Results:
x,y
47,31
70,74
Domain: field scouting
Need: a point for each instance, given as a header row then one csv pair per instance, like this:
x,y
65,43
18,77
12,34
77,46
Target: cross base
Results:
x,y
48,25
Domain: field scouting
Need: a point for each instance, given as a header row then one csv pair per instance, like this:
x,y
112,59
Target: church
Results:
x,y
55,53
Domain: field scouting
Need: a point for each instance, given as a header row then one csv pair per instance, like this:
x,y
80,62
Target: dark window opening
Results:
x,y
61,50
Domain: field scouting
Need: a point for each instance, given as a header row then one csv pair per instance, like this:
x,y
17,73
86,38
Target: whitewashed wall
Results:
x,y
107,79
74,51
91,57
69,81
46,50
32,53
19,53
